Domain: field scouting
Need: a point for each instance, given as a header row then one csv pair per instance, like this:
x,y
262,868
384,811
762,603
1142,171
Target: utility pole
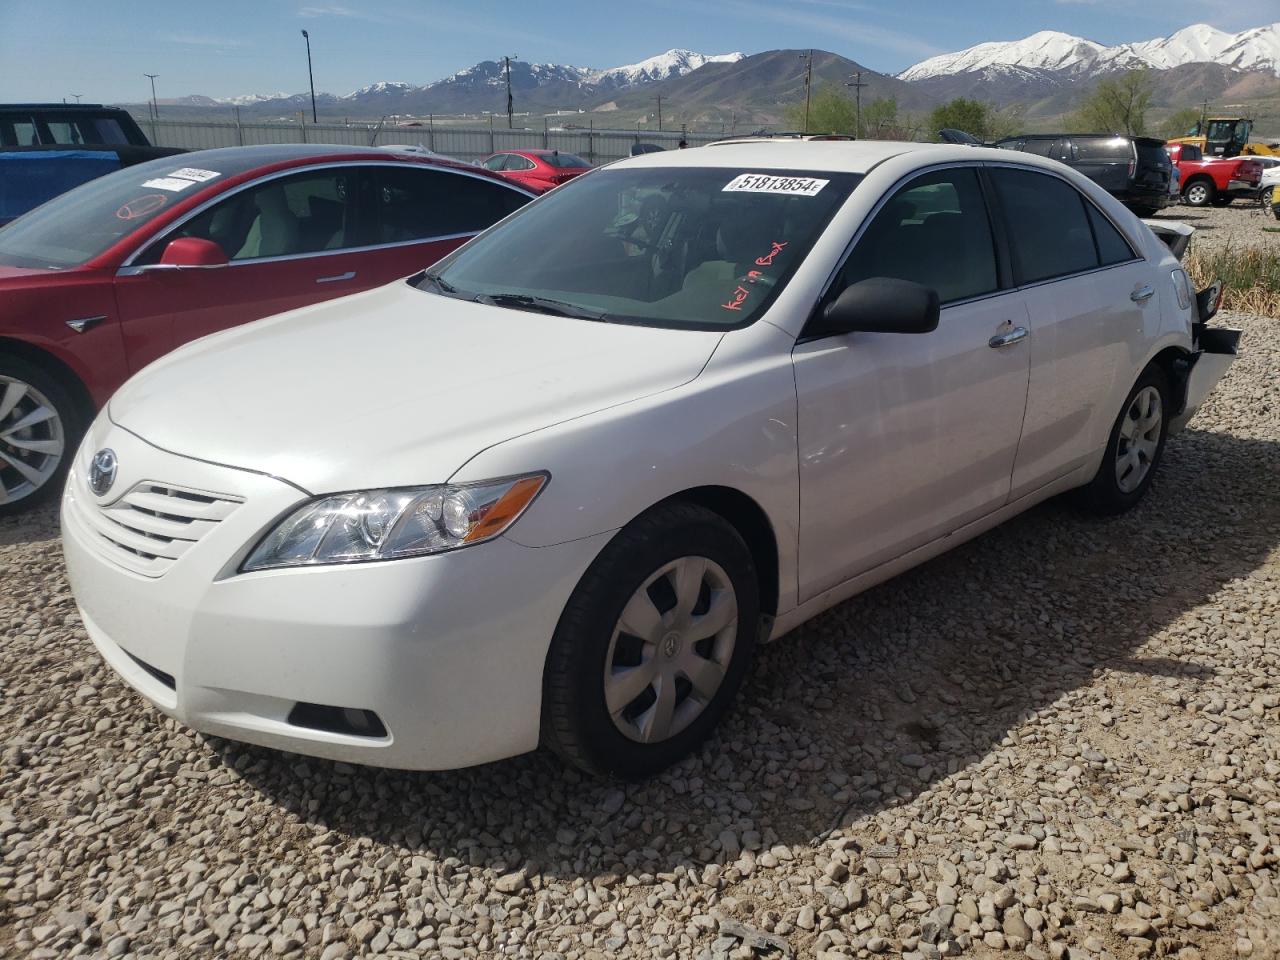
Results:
x,y
808,84
510,102
857,85
310,76
155,104
659,99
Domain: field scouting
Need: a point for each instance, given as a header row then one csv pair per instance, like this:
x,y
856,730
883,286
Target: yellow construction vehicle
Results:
x,y
1227,137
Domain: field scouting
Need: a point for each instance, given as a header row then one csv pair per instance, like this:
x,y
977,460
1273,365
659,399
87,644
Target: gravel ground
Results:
x,y
1060,740
1238,225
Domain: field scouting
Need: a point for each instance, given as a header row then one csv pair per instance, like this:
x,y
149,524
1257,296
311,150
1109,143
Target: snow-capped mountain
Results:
x,y
673,63
524,77
1070,56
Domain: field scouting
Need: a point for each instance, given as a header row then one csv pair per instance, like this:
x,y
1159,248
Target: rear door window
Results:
x,y
1112,246
1049,231
420,204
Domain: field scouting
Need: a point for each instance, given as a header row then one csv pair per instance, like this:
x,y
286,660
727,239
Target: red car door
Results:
x,y
290,241
299,239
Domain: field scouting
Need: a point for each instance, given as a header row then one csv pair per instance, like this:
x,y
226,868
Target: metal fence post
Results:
x,y
546,133
431,132
591,141
239,129
492,147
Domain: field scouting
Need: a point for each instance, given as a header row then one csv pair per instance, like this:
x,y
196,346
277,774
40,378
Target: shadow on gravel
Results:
x,y
37,525
934,667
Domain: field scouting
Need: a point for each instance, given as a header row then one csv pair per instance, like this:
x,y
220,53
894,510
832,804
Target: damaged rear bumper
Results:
x,y
1215,350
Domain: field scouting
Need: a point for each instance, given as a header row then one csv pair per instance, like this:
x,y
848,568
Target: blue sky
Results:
x,y
50,49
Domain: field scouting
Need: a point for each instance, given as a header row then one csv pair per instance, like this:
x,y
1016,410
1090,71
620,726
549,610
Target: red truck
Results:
x,y
1216,181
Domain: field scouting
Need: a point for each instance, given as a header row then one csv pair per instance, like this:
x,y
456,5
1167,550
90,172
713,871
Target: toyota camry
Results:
x,y
556,489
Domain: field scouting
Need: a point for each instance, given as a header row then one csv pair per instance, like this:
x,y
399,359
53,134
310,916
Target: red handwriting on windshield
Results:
x,y
767,259
142,206
735,301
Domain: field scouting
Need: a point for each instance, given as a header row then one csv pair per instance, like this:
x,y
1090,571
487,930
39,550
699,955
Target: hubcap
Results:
x,y
1198,194
1139,439
31,440
670,649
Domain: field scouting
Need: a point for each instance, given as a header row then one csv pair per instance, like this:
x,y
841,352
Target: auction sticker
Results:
x,y
174,184
196,174
769,183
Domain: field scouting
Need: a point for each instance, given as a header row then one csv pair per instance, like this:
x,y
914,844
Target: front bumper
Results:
x,y
447,651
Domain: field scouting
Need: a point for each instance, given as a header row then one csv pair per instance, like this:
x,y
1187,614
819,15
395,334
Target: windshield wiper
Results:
x,y
524,301
444,286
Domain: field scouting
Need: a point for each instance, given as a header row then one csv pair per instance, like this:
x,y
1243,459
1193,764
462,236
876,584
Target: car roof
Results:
x,y
233,161
837,156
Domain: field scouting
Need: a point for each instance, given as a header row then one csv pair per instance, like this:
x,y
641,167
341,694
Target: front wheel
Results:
x,y
1134,447
653,644
40,426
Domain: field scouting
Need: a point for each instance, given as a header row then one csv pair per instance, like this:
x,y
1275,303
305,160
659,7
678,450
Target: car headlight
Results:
x,y
393,523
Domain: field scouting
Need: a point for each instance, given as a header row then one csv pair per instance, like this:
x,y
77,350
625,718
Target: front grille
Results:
x,y
154,524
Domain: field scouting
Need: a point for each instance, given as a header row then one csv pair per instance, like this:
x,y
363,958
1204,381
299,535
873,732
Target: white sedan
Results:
x,y
555,489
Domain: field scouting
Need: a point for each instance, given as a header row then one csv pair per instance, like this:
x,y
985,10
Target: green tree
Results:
x,y
1117,105
830,111
971,116
880,119
1178,123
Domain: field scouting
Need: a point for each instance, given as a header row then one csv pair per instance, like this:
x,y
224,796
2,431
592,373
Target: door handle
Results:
x,y
341,276
1143,293
1011,336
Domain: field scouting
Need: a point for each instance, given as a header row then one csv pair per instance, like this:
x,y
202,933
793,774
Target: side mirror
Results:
x,y
881,305
193,252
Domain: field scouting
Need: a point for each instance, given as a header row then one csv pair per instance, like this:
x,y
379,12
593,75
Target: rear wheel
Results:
x,y
1199,193
40,426
1268,196
1134,447
653,644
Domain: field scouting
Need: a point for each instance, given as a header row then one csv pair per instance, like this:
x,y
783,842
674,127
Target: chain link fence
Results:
x,y
463,143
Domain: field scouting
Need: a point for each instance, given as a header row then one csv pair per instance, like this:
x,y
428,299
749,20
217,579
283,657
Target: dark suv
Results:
x,y
48,148
1135,170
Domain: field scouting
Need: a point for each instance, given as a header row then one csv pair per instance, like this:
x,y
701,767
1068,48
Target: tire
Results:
x,y
595,713
1114,489
1199,193
1267,197
34,458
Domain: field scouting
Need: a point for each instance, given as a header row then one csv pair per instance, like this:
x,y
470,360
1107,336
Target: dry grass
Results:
x,y
1251,277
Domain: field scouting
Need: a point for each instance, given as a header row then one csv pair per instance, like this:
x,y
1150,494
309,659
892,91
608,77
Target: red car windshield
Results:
x,y
81,224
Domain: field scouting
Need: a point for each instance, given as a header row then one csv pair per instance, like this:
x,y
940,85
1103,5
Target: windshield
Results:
x,y
696,247
78,225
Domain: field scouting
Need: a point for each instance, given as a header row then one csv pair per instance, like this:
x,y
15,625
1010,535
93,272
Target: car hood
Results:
x,y
393,387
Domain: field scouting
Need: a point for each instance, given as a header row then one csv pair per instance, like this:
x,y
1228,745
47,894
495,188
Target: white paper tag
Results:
x,y
173,184
773,183
196,174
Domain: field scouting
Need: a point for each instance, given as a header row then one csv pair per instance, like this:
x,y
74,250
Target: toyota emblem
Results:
x,y
102,474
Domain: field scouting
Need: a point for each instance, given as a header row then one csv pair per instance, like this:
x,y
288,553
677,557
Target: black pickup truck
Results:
x,y
48,148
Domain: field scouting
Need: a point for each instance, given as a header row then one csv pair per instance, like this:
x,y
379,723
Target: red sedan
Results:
x,y
97,283
536,169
